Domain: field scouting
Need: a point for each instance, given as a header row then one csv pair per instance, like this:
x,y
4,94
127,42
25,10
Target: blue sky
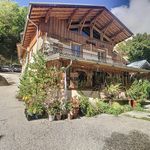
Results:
x,y
108,3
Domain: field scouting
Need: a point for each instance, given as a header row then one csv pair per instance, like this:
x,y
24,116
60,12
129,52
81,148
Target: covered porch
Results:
x,y
92,77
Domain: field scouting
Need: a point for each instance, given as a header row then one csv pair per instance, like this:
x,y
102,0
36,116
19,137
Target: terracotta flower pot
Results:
x,y
133,103
75,112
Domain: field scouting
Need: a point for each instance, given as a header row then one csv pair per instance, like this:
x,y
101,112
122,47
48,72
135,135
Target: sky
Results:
x,y
135,14
108,3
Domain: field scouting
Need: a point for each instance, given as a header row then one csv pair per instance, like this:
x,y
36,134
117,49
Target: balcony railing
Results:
x,y
74,54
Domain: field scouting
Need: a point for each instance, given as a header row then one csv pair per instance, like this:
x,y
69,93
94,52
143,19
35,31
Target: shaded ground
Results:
x,y
135,140
105,132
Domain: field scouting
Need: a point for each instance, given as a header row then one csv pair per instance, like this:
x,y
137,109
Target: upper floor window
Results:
x,y
102,55
74,29
96,35
76,49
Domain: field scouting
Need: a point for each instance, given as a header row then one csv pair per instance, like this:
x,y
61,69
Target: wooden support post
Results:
x,y
82,22
71,17
48,15
91,32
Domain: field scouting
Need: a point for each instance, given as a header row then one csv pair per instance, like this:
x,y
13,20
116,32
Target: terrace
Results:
x,y
55,52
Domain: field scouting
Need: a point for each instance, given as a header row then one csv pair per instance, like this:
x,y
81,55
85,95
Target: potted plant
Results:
x,y
51,114
54,110
69,109
34,111
112,91
133,93
75,106
72,108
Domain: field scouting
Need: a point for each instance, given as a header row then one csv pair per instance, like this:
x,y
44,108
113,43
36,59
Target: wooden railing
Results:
x,y
73,54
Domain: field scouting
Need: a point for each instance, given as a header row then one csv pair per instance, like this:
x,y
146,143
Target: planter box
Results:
x,y
34,117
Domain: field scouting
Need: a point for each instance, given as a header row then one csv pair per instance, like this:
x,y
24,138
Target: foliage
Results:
x,y
35,108
71,104
55,107
115,109
84,104
39,84
102,107
112,90
127,108
138,107
12,20
91,110
139,90
68,106
137,48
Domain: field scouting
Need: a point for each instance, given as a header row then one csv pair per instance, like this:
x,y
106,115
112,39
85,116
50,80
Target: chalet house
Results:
x,y
80,38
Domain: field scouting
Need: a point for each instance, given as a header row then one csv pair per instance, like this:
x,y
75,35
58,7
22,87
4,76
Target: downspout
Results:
x,y
65,83
37,31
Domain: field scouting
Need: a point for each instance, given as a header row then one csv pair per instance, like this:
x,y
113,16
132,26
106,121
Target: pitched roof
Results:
x,y
102,18
143,64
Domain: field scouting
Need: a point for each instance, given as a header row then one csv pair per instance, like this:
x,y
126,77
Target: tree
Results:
x,y
137,48
39,84
12,20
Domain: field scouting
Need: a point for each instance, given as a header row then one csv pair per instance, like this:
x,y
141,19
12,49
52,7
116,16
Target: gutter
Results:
x,y
65,84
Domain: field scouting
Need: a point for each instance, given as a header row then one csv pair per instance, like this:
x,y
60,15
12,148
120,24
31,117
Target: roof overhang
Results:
x,y
98,16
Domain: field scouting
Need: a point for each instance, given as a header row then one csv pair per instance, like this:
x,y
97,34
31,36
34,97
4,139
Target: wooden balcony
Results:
x,y
53,52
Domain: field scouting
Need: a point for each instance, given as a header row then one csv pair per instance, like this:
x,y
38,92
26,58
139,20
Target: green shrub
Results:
x,y
38,84
102,107
35,109
127,108
138,107
91,111
54,108
115,109
139,90
112,91
84,104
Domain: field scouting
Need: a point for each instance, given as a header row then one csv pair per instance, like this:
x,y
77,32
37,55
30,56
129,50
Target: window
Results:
x,y
101,56
76,49
86,31
96,35
74,30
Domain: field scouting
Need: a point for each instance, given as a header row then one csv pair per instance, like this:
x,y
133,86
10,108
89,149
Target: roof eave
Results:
x,y
25,28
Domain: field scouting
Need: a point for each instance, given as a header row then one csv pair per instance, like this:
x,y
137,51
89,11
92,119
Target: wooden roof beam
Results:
x,y
105,36
71,17
116,34
93,21
82,22
106,27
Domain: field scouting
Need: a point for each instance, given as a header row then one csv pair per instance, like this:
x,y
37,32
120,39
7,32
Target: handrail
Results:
x,y
82,55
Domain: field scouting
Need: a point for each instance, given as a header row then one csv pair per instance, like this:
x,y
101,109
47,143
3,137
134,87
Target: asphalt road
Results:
x,y
104,132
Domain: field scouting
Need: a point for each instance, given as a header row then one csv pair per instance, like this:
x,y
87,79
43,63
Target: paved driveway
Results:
x,y
104,132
